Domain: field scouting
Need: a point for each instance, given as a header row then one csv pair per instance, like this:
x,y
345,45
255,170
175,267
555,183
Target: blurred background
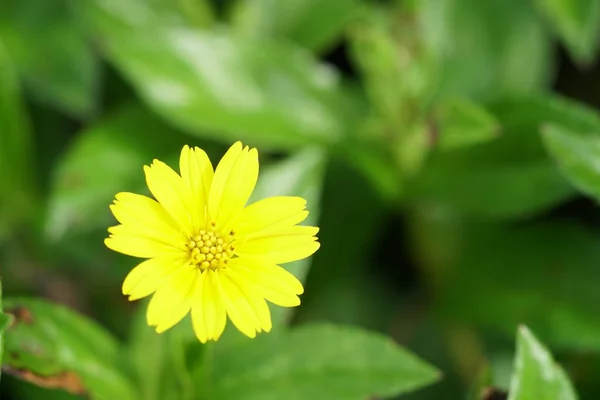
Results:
x,y
439,144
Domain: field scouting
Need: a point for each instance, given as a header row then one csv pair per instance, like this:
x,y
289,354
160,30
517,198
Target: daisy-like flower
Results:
x,y
207,253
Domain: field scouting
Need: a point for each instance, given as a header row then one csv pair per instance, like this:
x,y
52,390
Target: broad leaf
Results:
x,y
52,346
461,123
104,160
487,48
16,181
5,321
577,22
313,24
52,53
536,375
222,85
578,156
511,176
319,362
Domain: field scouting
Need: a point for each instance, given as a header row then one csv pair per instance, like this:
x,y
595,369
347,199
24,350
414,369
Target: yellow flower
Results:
x,y
207,253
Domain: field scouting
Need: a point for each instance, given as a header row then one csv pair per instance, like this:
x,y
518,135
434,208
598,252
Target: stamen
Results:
x,y
211,249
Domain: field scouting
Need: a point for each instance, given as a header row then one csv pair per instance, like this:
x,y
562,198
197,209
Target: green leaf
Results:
x,y
320,362
16,181
311,23
461,123
545,266
536,375
577,23
104,160
52,346
52,53
5,321
577,155
159,361
481,385
400,73
221,85
511,176
498,47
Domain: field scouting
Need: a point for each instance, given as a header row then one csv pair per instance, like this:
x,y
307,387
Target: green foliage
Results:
x,y
343,363
15,150
577,155
536,375
51,345
576,22
447,149
46,43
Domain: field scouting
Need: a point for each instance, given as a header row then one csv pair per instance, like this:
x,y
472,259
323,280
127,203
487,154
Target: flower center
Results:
x,y
210,249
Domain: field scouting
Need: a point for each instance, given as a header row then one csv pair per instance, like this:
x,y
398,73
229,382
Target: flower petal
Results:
x,y
147,276
208,310
233,183
238,309
168,188
279,249
123,240
147,217
173,299
257,303
272,282
270,215
197,173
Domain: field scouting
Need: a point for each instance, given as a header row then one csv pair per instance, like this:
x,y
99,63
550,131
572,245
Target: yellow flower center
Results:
x,y
210,249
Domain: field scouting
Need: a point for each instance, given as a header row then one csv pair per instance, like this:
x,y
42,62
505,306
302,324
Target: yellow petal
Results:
x,y
233,183
276,287
145,278
168,188
173,299
270,215
278,249
269,275
238,309
208,310
146,216
257,303
197,173
137,246
174,243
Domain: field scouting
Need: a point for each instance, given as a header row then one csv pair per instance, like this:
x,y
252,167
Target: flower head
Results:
x,y
207,253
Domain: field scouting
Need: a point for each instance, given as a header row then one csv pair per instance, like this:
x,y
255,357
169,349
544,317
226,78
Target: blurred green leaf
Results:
x,y
377,165
159,360
543,275
578,156
16,182
311,23
224,86
461,123
577,23
536,375
487,48
482,384
52,346
197,13
52,53
5,321
399,72
320,362
511,176
104,160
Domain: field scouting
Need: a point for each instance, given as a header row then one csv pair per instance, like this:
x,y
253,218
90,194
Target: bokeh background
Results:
x,y
446,148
